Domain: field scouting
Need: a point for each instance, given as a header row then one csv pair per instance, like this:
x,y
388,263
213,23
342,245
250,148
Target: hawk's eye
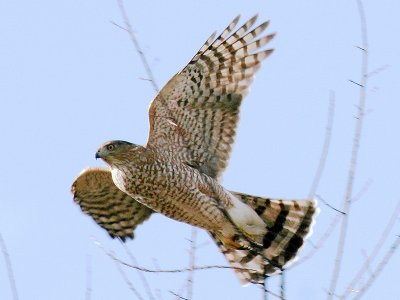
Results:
x,y
110,147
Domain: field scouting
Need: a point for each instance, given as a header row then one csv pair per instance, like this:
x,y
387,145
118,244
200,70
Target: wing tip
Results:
x,y
122,238
236,19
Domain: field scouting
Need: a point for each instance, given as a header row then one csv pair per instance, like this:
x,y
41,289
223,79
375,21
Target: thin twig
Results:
x,y
374,252
188,285
380,267
150,75
120,262
366,257
362,191
10,272
178,296
126,279
182,270
332,225
204,244
118,265
119,26
377,71
192,263
88,294
264,289
354,155
325,147
158,294
158,270
267,292
149,72
283,285
327,204
322,239
137,45
356,83
141,275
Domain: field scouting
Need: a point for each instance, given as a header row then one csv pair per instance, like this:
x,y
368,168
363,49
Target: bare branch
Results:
x,y
321,240
327,204
354,154
178,296
143,269
267,292
136,44
119,26
378,70
283,285
264,289
182,270
126,279
188,286
356,83
111,255
88,294
204,244
10,272
366,257
141,275
374,252
332,225
325,147
151,78
362,191
146,65
192,262
380,267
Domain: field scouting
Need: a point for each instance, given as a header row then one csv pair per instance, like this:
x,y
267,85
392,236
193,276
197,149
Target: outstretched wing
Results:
x,y
194,117
112,209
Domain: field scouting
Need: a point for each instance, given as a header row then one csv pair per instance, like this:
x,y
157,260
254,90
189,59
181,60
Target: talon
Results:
x,y
231,242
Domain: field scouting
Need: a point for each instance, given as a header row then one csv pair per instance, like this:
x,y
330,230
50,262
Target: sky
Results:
x,y
71,80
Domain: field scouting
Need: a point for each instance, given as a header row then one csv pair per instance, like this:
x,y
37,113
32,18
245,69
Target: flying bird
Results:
x,y
193,122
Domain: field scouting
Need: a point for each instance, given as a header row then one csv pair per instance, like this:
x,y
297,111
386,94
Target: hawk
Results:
x,y
193,122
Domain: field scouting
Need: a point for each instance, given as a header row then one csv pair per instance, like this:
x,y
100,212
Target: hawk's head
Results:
x,y
115,151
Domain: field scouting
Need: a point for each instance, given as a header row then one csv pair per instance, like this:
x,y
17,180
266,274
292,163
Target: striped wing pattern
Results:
x,y
196,114
115,211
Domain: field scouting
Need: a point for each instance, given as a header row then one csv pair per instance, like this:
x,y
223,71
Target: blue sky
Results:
x,y
70,80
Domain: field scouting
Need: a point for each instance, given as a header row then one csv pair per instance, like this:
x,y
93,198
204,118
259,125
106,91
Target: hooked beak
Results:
x,y
97,155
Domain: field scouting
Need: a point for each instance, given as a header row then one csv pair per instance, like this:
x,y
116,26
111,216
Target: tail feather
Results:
x,y
288,223
246,270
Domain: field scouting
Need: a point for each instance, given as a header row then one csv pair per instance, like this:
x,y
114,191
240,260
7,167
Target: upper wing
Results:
x,y
111,208
195,115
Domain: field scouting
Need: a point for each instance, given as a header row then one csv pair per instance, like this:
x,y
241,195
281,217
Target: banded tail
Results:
x,y
288,223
